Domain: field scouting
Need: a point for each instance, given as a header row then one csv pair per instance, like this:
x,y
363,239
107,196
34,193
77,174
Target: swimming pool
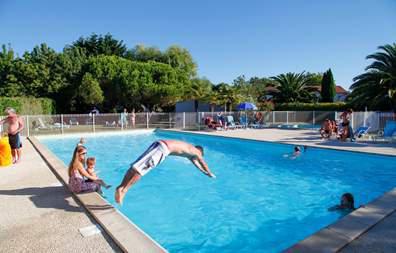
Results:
x,y
259,202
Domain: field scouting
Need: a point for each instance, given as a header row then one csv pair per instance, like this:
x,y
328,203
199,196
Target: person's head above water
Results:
x,y
347,201
297,149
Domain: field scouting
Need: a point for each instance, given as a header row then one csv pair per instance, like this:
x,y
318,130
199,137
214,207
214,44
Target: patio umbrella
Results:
x,y
246,106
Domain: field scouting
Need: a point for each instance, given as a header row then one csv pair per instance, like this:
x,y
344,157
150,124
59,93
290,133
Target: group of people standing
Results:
x,y
343,130
124,118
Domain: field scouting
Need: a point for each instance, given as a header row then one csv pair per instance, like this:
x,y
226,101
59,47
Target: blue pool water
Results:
x,y
259,202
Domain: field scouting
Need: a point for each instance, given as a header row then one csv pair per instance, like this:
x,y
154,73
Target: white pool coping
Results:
x,y
94,134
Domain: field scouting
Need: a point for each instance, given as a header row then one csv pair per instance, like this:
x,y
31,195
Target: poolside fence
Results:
x,y
80,123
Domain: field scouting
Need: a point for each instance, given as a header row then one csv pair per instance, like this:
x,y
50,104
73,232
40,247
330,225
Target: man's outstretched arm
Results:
x,y
202,166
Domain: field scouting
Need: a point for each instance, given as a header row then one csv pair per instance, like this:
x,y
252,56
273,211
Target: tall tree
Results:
x,y
200,89
95,45
244,88
9,84
328,91
145,54
227,96
377,87
128,83
180,58
90,90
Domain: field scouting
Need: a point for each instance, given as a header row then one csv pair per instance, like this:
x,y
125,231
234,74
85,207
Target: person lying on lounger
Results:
x,y
154,155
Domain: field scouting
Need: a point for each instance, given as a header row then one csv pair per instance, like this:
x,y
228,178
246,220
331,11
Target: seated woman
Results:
x,y
211,123
347,203
77,173
258,118
334,126
344,130
327,130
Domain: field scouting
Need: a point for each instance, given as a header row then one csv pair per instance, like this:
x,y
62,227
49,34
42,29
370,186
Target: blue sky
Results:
x,y
226,38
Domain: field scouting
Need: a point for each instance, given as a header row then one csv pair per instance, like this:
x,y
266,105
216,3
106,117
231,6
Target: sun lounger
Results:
x,y
388,134
243,121
112,124
361,131
231,123
59,125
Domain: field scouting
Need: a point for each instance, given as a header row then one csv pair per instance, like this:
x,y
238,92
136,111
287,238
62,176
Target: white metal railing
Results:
x,y
79,123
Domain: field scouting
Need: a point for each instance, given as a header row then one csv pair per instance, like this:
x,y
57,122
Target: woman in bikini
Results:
x,y
77,173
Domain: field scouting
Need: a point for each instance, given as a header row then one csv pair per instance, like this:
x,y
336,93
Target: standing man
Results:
x,y
15,126
124,118
154,155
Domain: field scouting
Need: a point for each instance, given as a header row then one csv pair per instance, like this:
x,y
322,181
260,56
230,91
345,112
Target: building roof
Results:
x,y
340,90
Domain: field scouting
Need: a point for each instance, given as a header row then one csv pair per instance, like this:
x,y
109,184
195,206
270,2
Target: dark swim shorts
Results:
x,y
15,141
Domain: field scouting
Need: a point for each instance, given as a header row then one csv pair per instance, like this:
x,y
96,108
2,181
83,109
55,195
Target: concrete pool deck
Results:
x,y
39,214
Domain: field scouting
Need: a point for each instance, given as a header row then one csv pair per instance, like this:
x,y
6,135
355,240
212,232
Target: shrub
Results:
x,y
338,106
28,105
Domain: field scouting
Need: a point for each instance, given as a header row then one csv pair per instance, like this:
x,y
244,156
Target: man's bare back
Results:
x,y
180,148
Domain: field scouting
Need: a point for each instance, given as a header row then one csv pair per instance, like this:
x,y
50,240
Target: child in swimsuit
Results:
x,y
91,162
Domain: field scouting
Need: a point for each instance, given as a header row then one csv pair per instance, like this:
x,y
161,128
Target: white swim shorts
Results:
x,y
152,157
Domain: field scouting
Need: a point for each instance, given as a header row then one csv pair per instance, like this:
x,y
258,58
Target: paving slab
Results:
x,y
38,214
380,239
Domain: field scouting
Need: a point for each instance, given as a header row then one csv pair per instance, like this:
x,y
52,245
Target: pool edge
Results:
x,y
273,141
339,234
128,236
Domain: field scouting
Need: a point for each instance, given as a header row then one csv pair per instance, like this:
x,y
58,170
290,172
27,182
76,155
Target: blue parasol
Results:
x,y
246,106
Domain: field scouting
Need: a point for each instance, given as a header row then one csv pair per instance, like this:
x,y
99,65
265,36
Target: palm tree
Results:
x,y
292,87
200,89
227,95
377,87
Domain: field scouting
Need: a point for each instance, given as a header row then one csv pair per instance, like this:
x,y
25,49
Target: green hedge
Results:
x,y
338,106
28,105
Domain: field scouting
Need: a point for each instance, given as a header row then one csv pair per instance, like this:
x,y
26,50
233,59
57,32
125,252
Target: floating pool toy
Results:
x,y
5,152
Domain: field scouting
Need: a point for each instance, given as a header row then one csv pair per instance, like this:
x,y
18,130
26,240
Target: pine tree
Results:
x,y
328,91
